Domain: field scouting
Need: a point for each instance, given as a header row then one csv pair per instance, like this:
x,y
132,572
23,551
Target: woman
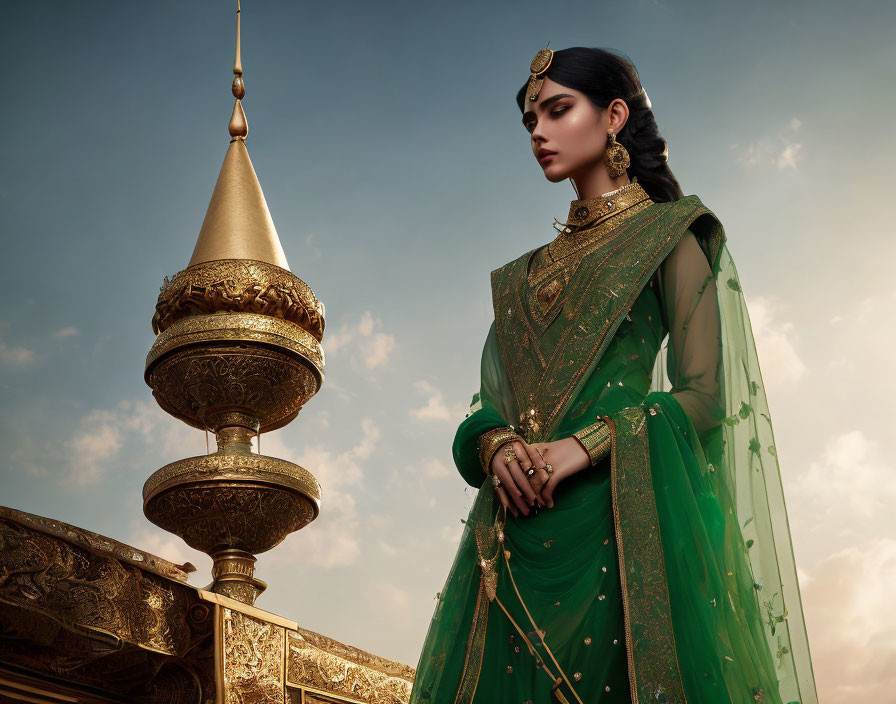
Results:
x,y
628,543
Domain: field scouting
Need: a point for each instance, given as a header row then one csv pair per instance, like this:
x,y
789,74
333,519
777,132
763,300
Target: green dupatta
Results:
x,y
731,630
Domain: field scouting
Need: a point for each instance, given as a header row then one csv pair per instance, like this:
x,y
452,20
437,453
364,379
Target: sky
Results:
x,y
389,146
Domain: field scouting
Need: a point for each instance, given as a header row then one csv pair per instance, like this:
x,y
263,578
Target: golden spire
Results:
x,y
238,224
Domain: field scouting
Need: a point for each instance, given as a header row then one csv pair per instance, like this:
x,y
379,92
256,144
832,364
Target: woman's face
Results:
x,y
568,133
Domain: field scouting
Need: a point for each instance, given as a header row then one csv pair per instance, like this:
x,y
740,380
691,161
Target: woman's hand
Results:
x,y
567,457
519,491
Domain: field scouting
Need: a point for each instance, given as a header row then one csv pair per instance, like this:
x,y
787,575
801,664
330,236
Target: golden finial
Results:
x,y
239,127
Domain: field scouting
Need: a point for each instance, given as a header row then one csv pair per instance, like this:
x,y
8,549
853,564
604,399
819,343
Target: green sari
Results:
x,y
666,572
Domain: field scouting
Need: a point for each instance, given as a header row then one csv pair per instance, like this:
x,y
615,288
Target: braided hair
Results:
x,y
604,76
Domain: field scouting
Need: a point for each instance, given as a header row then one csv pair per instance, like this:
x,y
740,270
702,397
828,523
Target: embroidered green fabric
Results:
x,y
727,560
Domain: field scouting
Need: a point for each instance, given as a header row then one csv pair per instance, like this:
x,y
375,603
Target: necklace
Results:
x,y
590,219
590,222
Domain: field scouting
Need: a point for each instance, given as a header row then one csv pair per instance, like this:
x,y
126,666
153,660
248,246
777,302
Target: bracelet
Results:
x,y
596,441
491,441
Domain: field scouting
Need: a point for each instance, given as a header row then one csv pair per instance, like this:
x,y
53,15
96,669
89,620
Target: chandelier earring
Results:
x,y
616,158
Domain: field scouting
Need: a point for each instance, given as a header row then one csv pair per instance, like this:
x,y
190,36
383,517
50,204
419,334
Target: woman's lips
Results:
x,y
546,157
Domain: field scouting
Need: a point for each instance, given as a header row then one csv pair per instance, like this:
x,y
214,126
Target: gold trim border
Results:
x,y
652,661
239,327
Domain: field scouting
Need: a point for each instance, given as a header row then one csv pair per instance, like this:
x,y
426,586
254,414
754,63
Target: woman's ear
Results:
x,y
618,114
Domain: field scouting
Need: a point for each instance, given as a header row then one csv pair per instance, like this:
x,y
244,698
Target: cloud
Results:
x,y
857,341
850,622
780,362
332,539
362,342
849,489
142,426
435,408
435,469
391,603
452,533
15,355
152,539
846,495
790,154
66,332
781,150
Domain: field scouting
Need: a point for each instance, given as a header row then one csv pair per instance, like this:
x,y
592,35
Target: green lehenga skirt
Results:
x,y
558,610
564,563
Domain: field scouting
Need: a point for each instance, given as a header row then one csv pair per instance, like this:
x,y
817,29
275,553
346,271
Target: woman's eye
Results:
x,y
560,110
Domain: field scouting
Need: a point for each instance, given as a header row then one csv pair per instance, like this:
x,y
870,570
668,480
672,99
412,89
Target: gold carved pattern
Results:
x,y
94,542
253,659
246,516
319,663
239,327
93,593
547,370
654,674
199,384
238,285
233,467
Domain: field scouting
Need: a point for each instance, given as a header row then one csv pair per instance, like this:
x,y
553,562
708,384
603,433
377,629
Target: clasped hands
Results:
x,y
518,491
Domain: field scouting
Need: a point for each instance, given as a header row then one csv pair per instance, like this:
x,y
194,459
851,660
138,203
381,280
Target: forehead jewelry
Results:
x,y
538,66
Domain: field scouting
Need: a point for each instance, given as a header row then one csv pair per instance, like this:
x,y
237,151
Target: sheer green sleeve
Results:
x,y
694,350
492,407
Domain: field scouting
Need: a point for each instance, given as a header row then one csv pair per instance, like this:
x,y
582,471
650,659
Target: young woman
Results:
x,y
629,541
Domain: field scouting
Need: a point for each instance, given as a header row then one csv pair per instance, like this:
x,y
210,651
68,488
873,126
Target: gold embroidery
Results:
x,y
652,658
475,646
596,441
490,442
546,371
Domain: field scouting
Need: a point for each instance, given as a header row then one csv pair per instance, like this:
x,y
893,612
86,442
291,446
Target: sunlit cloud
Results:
x,y
780,150
850,488
775,339
15,355
96,446
362,342
435,407
847,599
789,155
333,538
66,332
152,539
435,469
848,491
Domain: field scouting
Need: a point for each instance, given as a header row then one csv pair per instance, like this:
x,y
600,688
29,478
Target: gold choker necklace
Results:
x,y
591,218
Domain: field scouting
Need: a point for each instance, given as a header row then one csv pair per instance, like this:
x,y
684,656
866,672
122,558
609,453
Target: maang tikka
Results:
x,y
538,66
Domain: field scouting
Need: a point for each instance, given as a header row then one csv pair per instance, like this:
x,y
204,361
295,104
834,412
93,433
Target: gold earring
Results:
x,y
616,157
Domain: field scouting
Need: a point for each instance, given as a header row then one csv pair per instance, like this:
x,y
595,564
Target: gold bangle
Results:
x,y
596,440
491,441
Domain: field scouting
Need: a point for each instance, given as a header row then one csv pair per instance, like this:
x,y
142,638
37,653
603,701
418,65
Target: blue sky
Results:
x,y
389,146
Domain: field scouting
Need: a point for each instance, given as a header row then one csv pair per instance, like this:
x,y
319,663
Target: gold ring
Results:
x,y
497,482
530,471
549,469
509,454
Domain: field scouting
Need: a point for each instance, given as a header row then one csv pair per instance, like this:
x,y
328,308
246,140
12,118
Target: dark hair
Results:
x,y
604,76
